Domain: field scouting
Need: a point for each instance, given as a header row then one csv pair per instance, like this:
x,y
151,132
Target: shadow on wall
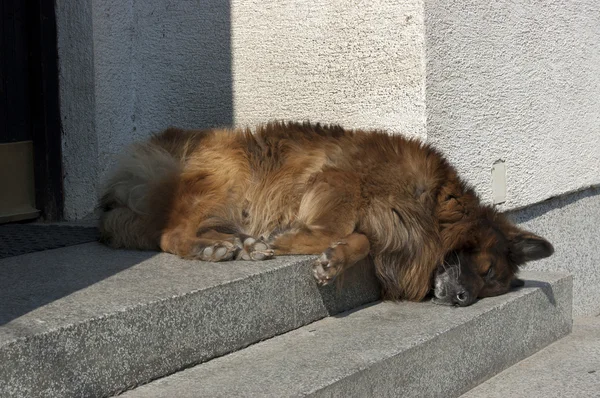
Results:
x,y
529,213
131,68
182,64
159,64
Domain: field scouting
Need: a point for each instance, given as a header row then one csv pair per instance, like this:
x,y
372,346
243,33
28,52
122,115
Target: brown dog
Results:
x,y
293,188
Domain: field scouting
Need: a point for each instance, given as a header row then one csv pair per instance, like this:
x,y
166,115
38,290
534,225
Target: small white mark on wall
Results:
x,y
499,182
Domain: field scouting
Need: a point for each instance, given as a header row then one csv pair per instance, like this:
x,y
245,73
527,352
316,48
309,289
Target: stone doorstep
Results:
x,y
89,321
388,349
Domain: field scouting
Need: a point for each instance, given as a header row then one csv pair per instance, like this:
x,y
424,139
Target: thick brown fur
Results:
x,y
306,189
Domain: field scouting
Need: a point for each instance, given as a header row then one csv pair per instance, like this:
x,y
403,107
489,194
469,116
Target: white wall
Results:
x,y
483,81
152,64
520,81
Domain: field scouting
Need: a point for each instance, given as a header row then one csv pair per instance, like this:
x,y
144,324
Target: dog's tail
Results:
x,y
135,198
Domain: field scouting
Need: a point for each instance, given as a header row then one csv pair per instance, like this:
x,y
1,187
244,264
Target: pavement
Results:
x,y
569,367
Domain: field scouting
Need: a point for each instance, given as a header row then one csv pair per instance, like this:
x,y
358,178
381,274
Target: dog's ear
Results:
x,y
525,246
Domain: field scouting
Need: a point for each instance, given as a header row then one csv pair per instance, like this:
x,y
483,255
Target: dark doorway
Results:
x,y
30,145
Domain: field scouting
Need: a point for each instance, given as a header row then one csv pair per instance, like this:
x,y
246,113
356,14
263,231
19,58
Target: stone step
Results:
x,y
90,321
388,349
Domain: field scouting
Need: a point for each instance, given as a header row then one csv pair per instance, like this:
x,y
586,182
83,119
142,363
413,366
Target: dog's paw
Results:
x,y
220,251
255,249
326,268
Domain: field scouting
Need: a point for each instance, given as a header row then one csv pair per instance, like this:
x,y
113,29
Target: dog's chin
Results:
x,y
440,290
447,287
442,301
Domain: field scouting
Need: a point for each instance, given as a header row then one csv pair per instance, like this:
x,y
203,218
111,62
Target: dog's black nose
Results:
x,y
462,298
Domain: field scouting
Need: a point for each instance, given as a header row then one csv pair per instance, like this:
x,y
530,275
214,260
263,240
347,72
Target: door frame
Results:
x,y
44,91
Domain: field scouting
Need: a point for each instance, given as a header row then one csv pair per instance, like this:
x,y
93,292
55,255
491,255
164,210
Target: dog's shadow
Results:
x,y
359,288
356,287
545,287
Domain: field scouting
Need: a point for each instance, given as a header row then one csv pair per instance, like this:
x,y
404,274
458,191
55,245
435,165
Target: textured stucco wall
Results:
x,y
571,224
152,64
357,63
519,81
182,64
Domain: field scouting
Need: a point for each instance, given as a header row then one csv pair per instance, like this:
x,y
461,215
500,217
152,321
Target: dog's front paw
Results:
x,y
326,268
257,250
219,251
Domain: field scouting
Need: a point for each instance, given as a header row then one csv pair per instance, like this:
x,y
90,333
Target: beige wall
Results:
x,y
357,63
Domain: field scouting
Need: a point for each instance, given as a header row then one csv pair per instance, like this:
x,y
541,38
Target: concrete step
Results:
x,y
90,321
569,367
388,349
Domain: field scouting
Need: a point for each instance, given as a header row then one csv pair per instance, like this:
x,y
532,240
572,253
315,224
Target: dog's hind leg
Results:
x,y
327,213
245,247
229,248
326,225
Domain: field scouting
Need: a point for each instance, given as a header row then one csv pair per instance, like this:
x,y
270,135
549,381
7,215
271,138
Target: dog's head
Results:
x,y
486,261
